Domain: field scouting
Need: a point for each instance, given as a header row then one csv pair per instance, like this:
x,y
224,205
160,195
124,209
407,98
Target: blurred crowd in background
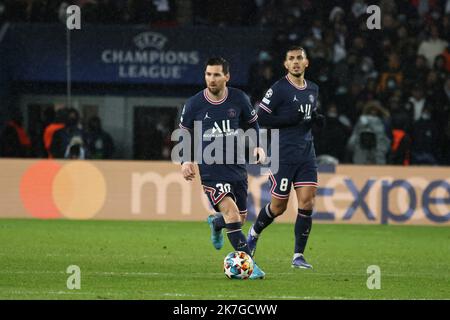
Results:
x,y
385,93
61,135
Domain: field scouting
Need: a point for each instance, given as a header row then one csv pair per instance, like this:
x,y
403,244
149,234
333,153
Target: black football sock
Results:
x,y
265,218
236,237
218,222
303,226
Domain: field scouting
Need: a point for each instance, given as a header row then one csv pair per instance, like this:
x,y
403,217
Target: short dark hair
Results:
x,y
296,48
219,61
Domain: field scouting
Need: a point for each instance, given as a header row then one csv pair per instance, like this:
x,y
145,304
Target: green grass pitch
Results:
x,y
175,260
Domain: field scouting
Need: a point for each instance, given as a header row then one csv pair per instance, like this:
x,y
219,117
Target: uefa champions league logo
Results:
x,y
146,40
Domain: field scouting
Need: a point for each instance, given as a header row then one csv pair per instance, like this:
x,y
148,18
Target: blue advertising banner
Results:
x,y
130,54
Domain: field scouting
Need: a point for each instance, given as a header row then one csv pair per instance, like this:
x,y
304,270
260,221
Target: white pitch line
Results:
x,y
147,295
308,273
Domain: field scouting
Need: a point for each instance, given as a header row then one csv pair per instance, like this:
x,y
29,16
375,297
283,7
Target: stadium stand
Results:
x,y
404,67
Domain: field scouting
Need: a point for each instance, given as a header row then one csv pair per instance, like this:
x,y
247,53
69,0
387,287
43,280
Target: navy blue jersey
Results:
x,y
220,119
285,98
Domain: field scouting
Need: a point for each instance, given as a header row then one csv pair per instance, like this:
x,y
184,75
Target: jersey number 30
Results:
x,y
223,187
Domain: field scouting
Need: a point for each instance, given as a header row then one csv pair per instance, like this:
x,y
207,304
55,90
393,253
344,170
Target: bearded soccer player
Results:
x,y
221,111
290,105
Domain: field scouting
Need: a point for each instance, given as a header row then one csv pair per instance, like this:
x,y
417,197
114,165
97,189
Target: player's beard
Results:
x,y
215,91
298,74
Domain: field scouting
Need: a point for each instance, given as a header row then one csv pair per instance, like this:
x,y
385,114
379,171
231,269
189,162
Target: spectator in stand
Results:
x,y
14,141
400,117
440,68
445,144
369,143
416,102
391,78
332,139
440,103
100,142
424,140
261,76
405,45
433,46
446,55
164,13
417,73
390,26
370,90
400,153
72,134
433,88
37,130
445,23
423,7
343,72
350,101
58,123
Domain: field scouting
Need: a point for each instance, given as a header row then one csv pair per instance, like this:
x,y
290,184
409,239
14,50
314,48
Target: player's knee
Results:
x,y
231,215
307,202
278,208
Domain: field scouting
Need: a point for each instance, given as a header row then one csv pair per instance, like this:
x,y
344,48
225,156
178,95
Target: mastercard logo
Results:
x,y
75,190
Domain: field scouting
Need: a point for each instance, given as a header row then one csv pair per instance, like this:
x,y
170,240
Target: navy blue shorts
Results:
x,y
216,190
300,175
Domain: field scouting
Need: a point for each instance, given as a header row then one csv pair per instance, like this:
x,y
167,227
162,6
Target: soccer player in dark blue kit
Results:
x,y
221,110
290,105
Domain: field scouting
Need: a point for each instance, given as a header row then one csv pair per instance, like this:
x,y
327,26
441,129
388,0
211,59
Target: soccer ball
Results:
x,y
238,265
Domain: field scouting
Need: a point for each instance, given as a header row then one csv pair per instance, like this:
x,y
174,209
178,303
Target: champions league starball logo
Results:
x,y
146,40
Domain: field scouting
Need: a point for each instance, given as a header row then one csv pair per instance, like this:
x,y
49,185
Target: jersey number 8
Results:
x,y
284,184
